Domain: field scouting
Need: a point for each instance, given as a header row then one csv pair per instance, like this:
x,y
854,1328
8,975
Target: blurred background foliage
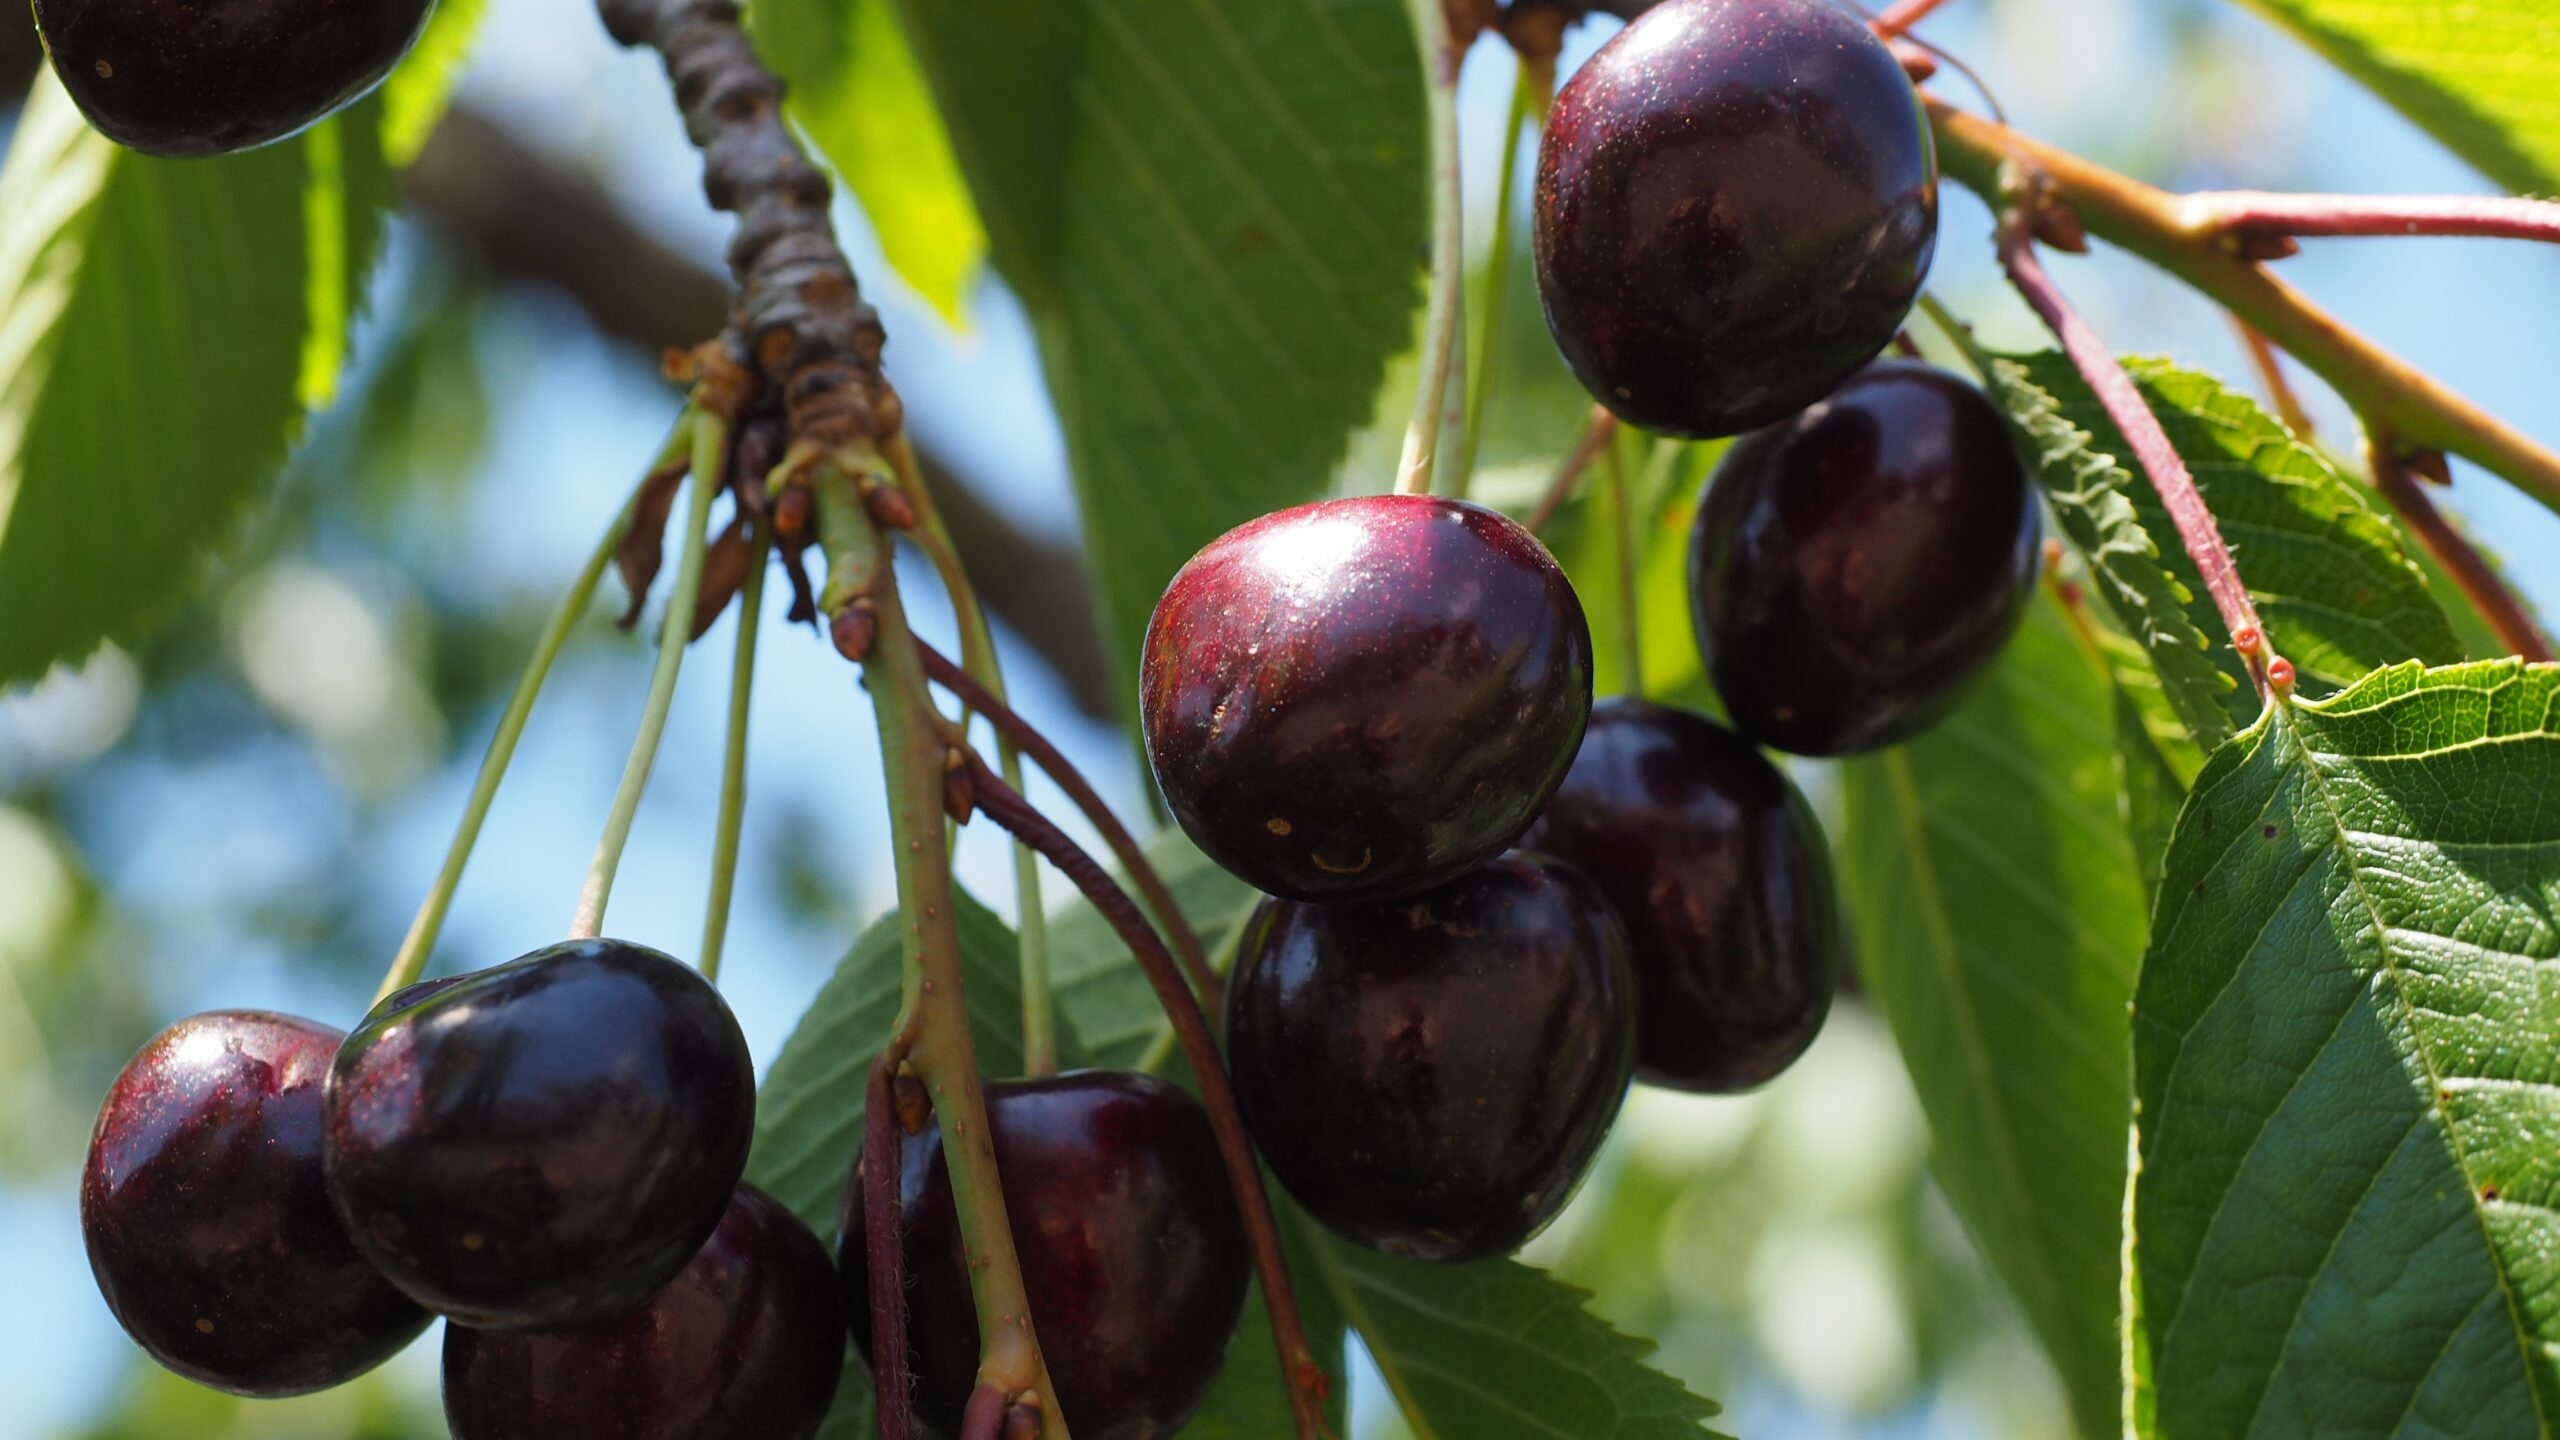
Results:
x,y
243,809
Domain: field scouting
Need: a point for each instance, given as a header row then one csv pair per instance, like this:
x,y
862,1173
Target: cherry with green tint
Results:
x,y
209,77
208,1226
1432,1076
1855,566
746,1343
1717,867
1361,698
1132,1253
542,1144
1737,201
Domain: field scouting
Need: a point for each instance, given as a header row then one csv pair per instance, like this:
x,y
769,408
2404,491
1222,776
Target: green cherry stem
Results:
x,y
710,454
733,763
1441,58
1622,514
1528,99
411,962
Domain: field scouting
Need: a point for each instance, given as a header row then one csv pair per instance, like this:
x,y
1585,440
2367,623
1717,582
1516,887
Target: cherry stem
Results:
x,y
675,629
733,762
1597,432
1009,809
1528,100
1622,511
411,961
2151,223
933,1014
2269,368
1124,846
978,657
1440,57
884,1246
2397,479
2142,434
1900,17
2253,217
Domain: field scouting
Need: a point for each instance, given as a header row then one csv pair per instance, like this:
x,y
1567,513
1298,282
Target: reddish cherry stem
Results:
x,y
1596,435
884,1247
1900,17
1297,1362
2259,215
1124,846
2150,444
2489,594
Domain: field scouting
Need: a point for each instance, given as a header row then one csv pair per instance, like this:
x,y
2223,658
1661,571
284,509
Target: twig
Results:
x,y
1900,17
2253,218
2396,478
933,1016
2269,366
2377,384
2142,433
1440,57
1597,432
675,630
884,1249
1303,1375
1124,846
1622,510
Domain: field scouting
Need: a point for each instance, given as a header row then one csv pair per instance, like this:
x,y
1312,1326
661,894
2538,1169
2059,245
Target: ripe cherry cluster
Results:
x,y
1491,903
547,1152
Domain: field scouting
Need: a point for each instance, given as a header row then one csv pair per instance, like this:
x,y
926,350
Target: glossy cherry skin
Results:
x,y
1131,1252
1736,204
746,1343
1432,1076
1361,698
1718,869
208,1227
540,1145
1854,567
208,77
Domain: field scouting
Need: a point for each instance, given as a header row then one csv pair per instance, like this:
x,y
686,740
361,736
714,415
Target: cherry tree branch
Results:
x,y
2150,444
2259,222
801,322
2395,475
1124,846
1900,17
2148,222
1304,1376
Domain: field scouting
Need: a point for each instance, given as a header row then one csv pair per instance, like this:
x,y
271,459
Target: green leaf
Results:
x,y
164,325
415,96
2473,73
2336,593
1496,1350
1216,216
856,90
2345,1041
2000,918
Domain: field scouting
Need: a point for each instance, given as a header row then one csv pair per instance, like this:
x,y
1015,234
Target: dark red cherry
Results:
x,y
540,1145
1736,204
1131,1252
207,77
746,1343
208,1227
1361,698
1853,567
1432,1076
1717,866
